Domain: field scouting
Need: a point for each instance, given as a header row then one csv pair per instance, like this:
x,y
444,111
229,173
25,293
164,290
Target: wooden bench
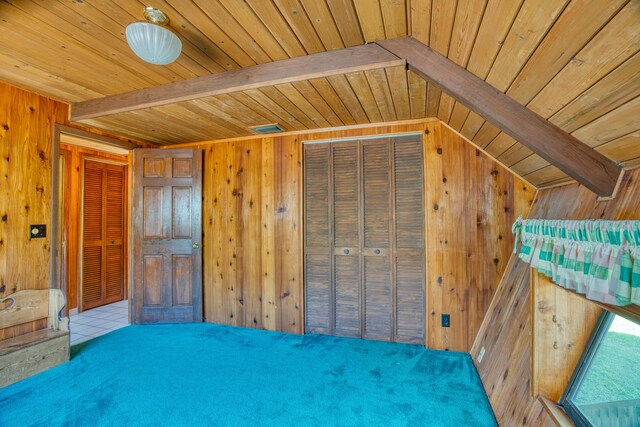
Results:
x,y
28,354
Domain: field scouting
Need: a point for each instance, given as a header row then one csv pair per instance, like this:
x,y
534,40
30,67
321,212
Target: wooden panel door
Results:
x,y
103,233
167,231
364,239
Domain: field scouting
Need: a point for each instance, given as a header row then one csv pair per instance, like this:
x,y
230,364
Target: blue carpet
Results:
x,y
204,374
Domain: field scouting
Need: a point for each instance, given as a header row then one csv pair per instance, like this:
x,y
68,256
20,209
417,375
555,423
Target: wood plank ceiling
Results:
x,y
574,62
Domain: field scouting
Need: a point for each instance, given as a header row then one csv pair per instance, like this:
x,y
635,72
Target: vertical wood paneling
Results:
x,y
247,213
26,123
268,237
25,189
214,242
231,243
251,208
288,228
474,183
562,325
470,209
506,331
25,186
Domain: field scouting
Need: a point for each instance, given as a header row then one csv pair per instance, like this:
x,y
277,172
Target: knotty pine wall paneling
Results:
x,y
253,236
252,209
506,331
562,324
26,121
471,203
26,126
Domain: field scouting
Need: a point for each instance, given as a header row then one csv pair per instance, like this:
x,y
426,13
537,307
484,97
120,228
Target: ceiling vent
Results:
x,y
272,128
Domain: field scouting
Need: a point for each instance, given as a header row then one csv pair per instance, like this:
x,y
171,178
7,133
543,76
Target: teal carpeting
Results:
x,y
203,374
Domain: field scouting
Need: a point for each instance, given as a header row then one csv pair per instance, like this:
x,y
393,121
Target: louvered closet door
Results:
x,y
409,233
377,252
318,263
364,239
103,234
346,240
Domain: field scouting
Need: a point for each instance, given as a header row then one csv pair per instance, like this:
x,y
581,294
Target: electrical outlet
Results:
x,y
37,231
446,320
480,355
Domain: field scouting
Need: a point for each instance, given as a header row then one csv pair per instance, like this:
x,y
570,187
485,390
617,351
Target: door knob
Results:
x,y
196,245
346,251
377,252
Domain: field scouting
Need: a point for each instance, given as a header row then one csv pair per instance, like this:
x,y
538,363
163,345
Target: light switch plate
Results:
x,y
37,231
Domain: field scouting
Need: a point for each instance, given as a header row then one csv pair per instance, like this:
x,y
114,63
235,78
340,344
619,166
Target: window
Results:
x,y
605,387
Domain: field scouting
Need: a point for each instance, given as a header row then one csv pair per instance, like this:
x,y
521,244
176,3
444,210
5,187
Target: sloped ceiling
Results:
x,y
575,63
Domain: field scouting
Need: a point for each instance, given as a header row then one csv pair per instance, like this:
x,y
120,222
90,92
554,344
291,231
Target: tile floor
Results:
x,y
98,321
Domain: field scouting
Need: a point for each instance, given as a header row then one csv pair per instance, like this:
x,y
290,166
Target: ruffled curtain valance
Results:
x,y
596,258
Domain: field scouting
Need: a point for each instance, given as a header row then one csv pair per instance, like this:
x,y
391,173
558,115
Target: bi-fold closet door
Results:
x,y
364,238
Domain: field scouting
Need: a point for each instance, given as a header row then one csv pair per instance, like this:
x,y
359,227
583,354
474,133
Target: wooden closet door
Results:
x,y
364,239
410,257
346,239
318,247
103,234
377,252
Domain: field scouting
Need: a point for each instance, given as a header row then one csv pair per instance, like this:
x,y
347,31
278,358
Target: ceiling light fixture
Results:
x,y
152,41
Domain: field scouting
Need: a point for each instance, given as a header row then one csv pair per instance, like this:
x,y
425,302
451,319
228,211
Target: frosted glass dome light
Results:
x,y
151,41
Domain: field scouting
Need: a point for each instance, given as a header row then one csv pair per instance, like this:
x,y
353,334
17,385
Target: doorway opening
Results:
x,y
89,236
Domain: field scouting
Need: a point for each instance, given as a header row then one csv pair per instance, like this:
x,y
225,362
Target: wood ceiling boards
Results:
x,y
574,62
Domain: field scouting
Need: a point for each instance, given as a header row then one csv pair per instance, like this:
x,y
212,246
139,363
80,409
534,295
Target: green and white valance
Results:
x,y
596,258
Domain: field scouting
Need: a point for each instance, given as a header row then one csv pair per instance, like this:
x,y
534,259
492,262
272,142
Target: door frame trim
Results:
x,y
356,138
57,131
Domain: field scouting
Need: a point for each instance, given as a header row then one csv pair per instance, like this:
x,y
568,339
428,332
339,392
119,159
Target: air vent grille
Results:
x,y
271,128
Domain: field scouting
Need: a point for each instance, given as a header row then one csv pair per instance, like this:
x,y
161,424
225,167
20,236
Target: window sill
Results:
x,y
556,413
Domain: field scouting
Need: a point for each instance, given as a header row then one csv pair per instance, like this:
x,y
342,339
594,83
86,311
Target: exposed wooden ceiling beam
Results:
x,y
359,58
562,150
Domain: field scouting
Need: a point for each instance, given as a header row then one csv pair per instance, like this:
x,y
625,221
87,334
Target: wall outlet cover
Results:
x,y
446,320
480,355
